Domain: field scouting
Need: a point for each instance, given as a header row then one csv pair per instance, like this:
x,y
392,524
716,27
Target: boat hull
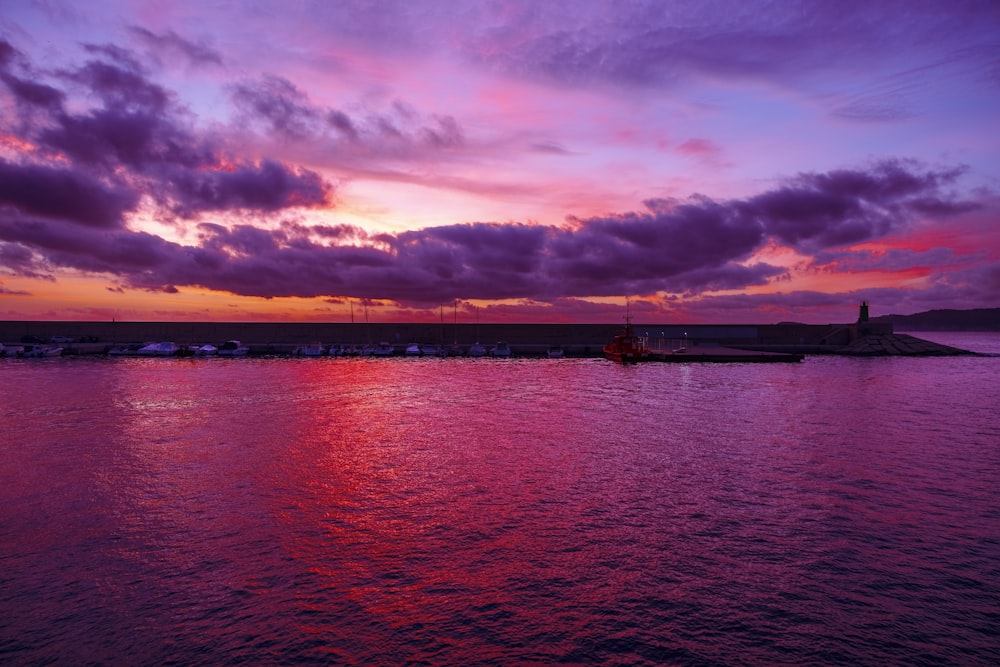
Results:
x,y
626,356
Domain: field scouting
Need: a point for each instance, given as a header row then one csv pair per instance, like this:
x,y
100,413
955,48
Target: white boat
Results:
x,y
125,350
430,350
206,350
310,350
413,350
162,349
384,349
477,350
501,350
39,351
233,348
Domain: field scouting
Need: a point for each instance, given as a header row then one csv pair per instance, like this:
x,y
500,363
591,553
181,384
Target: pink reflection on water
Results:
x,y
386,511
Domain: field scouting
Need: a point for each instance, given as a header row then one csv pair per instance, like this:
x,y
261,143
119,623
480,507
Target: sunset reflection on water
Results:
x,y
365,511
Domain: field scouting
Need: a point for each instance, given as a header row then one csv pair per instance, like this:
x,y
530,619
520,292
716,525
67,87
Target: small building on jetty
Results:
x,y
862,337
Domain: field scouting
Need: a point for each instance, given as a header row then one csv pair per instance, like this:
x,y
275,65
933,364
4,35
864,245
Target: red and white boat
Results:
x,y
627,348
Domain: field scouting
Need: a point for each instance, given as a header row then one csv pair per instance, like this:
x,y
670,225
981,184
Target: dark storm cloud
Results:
x,y
689,246
641,250
107,137
63,206
7,53
134,134
816,211
120,84
269,186
24,90
133,125
29,92
63,194
18,260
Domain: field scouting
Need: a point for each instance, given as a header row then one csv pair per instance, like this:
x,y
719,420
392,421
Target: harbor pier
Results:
x,y
700,342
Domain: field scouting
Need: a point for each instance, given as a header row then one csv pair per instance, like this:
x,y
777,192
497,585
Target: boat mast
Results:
x,y
368,327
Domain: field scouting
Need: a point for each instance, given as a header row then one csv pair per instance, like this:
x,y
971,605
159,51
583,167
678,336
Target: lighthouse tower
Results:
x,y
864,328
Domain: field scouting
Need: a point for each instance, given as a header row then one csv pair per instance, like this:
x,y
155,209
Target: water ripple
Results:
x,y
837,511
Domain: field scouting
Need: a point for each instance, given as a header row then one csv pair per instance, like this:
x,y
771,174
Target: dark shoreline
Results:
x,y
578,340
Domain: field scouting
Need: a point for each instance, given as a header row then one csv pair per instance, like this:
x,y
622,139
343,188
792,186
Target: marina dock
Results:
x,y
701,342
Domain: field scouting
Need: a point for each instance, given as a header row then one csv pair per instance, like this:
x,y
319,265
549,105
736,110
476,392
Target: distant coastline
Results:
x,y
978,319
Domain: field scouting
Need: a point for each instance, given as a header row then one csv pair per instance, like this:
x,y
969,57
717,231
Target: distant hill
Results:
x,y
978,319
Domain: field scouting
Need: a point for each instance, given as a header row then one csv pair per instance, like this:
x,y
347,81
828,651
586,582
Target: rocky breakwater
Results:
x,y
880,345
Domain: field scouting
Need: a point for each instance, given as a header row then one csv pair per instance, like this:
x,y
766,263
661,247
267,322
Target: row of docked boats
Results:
x,y
234,348
31,351
231,348
385,349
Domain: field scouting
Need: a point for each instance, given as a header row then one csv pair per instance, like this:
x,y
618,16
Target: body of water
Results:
x,y
515,512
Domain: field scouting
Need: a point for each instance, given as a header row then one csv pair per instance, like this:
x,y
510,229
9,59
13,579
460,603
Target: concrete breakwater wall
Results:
x,y
524,339
265,333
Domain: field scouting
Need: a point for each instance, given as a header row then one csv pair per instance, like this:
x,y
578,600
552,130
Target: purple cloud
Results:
x,y
18,260
63,205
29,92
270,186
280,105
136,126
690,246
170,43
816,211
64,194
25,91
641,252
894,259
281,110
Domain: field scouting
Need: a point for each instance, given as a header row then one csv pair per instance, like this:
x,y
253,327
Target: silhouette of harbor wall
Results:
x,y
576,336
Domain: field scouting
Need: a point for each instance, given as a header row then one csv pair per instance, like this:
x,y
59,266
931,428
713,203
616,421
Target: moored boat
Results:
x,y
233,348
163,349
125,350
310,350
384,349
39,351
627,348
501,350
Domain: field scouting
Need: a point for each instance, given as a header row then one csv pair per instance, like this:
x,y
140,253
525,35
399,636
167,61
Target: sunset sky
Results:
x,y
534,161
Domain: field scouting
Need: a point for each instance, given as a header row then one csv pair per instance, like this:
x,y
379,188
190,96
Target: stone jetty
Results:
x,y
876,345
703,342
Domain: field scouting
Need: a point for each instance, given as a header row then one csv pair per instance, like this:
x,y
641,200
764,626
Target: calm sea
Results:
x,y
518,512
